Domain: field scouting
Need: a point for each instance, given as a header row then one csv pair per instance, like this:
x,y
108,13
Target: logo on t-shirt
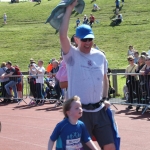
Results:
x,y
90,63
73,142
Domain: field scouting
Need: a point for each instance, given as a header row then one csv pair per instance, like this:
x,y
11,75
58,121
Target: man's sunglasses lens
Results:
x,y
88,39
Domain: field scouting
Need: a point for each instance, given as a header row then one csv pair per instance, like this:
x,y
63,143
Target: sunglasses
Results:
x,y
130,59
85,40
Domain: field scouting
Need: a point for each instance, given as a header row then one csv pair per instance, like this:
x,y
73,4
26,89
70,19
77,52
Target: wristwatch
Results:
x,y
104,98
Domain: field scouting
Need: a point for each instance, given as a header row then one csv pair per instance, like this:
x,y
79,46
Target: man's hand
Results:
x,y
73,4
107,104
2,77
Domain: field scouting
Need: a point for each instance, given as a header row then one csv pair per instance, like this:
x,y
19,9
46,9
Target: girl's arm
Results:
x,y
142,71
91,145
50,144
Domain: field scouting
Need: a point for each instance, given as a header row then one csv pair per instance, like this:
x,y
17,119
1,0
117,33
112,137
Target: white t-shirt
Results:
x,y
85,75
40,78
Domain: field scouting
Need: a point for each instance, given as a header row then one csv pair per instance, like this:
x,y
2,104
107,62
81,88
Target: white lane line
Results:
x,y
22,141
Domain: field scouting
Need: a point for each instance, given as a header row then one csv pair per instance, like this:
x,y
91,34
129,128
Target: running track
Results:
x,y
28,128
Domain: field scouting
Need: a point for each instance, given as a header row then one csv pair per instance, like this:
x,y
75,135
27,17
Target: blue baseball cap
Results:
x,y
84,31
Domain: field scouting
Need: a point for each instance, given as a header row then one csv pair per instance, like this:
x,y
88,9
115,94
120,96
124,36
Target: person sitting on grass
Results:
x,y
118,19
95,7
70,132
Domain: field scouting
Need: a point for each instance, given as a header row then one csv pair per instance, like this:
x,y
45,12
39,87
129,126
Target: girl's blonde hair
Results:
x,y
67,104
3,64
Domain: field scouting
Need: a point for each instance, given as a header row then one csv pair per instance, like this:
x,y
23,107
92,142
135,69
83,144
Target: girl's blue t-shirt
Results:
x,y
68,136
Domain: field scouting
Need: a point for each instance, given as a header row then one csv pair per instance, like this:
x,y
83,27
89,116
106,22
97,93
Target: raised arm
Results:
x,y
64,39
142,71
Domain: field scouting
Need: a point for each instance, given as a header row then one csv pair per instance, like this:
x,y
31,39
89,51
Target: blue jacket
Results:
x,y
115,130
58,12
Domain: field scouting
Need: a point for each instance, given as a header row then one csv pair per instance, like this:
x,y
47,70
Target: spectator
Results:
x,y
118,19
92,20
144,53
60,60
12,80
40,71
31,60
77,22
3,82
146,72
50,66
70,132
132,80
142,85
80,63
62,75
131,51
117,11
5,18
54,71
117,3
136,57
85,20
19,84
95,7
32,78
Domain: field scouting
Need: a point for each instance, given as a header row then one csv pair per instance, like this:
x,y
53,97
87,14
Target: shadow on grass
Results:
x,y
76,14
112,16
56,31
1,25
73,12
93,1
36,4
94,10
113,24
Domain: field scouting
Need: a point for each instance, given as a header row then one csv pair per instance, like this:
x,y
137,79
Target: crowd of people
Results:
x,y
86,20
138,85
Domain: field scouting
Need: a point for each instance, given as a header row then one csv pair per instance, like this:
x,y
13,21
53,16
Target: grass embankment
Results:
x,y
27,36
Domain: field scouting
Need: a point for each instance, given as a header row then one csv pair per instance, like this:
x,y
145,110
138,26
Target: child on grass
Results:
x,y
70,132
5,18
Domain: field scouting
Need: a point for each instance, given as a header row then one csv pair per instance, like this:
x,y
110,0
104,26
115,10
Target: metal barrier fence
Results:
x,y
10,91
27,88
130,89
133,89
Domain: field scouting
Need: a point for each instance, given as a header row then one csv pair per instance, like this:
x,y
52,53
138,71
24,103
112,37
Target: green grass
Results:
x,y
26,35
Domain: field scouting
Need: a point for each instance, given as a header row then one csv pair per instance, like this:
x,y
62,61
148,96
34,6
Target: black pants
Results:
x,y
4,92
133,88
39,91
32,82
57,89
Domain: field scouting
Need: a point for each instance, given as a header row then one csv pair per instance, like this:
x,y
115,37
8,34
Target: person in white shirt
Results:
x,y
87,78
40,71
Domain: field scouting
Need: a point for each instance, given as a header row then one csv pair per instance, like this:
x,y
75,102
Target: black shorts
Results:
x,y
99,125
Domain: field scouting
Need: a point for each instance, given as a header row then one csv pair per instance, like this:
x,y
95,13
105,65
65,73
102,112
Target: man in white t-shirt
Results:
x,y
87,78
40,71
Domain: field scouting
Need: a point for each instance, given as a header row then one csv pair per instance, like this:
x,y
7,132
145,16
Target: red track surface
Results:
x,y
28,128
